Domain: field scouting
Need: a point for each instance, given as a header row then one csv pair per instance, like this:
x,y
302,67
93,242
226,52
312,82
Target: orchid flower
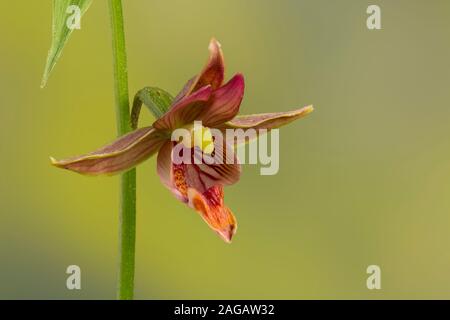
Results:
x,y
204,98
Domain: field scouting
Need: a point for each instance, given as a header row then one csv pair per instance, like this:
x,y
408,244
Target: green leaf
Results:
x,y
157,100
63,14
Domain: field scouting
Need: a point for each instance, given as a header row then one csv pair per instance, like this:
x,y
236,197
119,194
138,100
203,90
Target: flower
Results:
x,y
203,98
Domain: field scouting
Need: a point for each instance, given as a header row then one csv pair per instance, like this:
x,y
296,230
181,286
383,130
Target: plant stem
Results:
x,y
127,231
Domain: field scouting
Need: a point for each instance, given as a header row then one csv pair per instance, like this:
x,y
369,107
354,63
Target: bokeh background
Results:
x,y
363,180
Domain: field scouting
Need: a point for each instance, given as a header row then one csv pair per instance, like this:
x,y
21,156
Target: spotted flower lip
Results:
x,y
206,98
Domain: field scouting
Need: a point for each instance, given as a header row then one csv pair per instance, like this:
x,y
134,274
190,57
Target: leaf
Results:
x,y
157,100
62,12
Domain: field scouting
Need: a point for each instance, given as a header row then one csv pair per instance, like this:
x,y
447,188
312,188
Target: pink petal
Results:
x,y
184,111
267,120
123,154
213,72
225,103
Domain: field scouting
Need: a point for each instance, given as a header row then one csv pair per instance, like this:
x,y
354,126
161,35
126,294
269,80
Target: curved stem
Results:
x,y
127,233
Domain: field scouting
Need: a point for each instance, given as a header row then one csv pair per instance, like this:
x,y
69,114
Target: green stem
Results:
x,y
127,234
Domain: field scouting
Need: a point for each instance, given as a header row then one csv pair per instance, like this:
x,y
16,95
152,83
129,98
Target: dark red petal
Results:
x,y
225,103
184,111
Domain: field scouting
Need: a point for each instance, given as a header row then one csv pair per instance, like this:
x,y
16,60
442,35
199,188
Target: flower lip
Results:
x,y
210,206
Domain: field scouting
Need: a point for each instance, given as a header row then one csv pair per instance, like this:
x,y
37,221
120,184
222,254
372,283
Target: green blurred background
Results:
x,y
363,180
